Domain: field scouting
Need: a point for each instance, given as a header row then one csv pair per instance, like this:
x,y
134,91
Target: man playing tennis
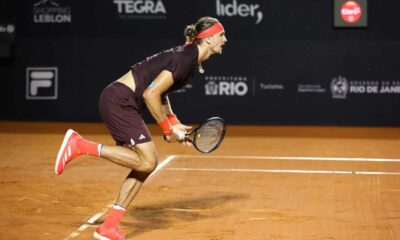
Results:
x,y
121,106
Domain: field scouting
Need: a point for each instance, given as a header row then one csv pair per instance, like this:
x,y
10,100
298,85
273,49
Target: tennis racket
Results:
x,y
208,136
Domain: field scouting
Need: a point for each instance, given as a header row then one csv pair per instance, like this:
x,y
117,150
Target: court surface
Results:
x,y
263,183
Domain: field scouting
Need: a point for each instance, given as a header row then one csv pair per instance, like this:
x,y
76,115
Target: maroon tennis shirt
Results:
x,y
181,61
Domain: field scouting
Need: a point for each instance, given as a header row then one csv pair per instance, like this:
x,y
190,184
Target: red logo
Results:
x,y
350,12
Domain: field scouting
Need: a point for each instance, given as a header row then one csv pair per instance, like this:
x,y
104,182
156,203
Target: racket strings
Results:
x,y
209,135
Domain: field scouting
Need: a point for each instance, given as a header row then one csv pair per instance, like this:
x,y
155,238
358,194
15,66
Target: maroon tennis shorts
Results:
x,y
119,111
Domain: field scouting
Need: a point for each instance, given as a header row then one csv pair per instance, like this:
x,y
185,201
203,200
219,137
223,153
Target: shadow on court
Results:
x,y
148,218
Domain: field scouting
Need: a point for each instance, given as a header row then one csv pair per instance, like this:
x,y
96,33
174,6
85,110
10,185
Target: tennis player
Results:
x,y
122,103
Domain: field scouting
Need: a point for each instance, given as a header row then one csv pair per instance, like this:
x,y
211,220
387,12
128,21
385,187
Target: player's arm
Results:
x,y
154,102
166,105
152,94
173,119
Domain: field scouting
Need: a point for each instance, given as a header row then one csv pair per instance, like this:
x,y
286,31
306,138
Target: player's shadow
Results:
x,y
166,214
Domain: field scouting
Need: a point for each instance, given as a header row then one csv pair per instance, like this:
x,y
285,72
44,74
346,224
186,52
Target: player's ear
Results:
x,y
208,40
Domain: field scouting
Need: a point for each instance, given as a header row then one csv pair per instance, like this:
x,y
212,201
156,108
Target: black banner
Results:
x,y
285,62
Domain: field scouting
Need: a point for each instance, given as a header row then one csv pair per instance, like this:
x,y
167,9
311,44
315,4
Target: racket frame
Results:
x,y
195,131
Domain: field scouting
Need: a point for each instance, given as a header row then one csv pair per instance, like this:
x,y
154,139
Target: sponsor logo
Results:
x,y
389,87
310,88
9,28
145,9
339,87
271,87
226,86
41,83
350,12
50,11
244,10
364,87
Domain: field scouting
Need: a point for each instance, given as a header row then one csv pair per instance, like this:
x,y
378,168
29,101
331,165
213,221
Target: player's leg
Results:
x,y
141,157
72,146
148,157
119,111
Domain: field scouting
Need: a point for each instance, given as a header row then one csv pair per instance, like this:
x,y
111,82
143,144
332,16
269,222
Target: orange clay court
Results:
x,y
264,182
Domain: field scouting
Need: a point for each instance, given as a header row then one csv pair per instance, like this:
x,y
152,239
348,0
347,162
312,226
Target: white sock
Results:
x,y
118,207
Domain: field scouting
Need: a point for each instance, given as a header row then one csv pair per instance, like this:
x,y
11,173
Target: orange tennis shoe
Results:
x,y
68,151
104,233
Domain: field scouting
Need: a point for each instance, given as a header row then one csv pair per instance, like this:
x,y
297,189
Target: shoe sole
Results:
x,y
64,143
99,237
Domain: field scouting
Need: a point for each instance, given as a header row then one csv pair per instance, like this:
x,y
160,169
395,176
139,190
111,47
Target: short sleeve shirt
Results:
x,y
181,61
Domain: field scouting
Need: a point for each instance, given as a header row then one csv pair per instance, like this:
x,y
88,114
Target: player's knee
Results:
x,y
148,157
149,164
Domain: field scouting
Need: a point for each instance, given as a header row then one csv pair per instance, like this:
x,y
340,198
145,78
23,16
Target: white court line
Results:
x,y
282,171
296,158
161,165
98,215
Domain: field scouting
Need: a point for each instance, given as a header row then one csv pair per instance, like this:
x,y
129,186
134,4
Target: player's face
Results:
x,y
217,42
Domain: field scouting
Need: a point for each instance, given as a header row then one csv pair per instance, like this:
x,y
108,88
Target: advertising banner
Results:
x,y
284,62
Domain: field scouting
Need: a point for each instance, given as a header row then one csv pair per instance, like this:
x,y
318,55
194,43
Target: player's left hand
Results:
x,y
179,132
183,129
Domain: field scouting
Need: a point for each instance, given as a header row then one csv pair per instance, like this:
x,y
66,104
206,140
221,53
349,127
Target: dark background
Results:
x,y
288,61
